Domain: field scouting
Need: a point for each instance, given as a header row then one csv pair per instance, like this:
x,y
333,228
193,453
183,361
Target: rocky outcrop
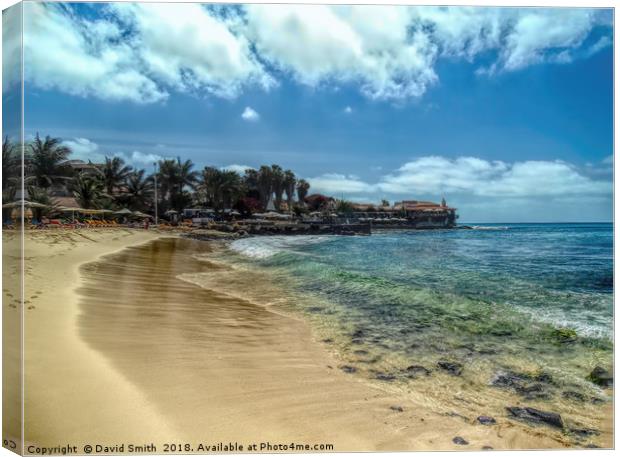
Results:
x,y
454,368
601,377
536,416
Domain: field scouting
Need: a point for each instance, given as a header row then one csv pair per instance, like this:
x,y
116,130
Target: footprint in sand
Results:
x,y
31,307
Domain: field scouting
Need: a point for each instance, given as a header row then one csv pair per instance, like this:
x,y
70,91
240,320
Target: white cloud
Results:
x,y
372,46
389,52
334,183
197,51
81,57
84,149
601,44
348,110
250,115
609,160
141,158
11,47
474,177
237,168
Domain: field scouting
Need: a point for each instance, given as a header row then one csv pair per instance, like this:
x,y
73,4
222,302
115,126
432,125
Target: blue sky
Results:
x,y
507,113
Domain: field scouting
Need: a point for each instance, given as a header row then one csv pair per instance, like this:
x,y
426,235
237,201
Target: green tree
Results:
x,y
175,177
11,164
87,190
302,191
277,182
221,188
139,190
289,187
114,173
265,185
46,161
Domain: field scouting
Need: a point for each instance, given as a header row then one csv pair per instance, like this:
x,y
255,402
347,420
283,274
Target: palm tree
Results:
x,y
231,188
11,171
168,177
87,190
10,162
221,188
46,159
302,191
277,180
289,187
250,181
40,195
175,176
187,176
139,190
208,186
265,185
114,172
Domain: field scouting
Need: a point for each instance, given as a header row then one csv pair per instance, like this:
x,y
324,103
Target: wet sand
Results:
x,y
120,350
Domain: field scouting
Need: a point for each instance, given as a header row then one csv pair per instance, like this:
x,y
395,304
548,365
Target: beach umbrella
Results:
x,y
140,214
171,211
26,203
67,209
123,212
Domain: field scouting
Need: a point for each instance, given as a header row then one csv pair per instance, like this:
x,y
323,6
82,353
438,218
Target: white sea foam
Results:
x,y
486,227
267,246
588,324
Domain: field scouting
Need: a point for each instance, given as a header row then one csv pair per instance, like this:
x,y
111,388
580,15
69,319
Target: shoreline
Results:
x,y
249,388
58,365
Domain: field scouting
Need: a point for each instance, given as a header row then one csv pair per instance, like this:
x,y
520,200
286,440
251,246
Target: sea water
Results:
x,y
531,300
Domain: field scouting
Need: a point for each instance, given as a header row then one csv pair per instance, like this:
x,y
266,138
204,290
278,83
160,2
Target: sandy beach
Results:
x,y
120,350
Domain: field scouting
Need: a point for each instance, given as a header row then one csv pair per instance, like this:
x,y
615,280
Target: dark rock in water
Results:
x,y
601,377
454,368
416,370
596,400
543,377
328,340
506,380
348,368
385,377
360,352
359,333
486,420
486,351
357,341
584,432
397,408
536,416
460,440
572,395
592,446
532,392
521,384
314,309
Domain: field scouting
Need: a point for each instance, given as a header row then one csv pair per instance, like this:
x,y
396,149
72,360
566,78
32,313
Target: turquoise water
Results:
x,y
535,300
556,273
